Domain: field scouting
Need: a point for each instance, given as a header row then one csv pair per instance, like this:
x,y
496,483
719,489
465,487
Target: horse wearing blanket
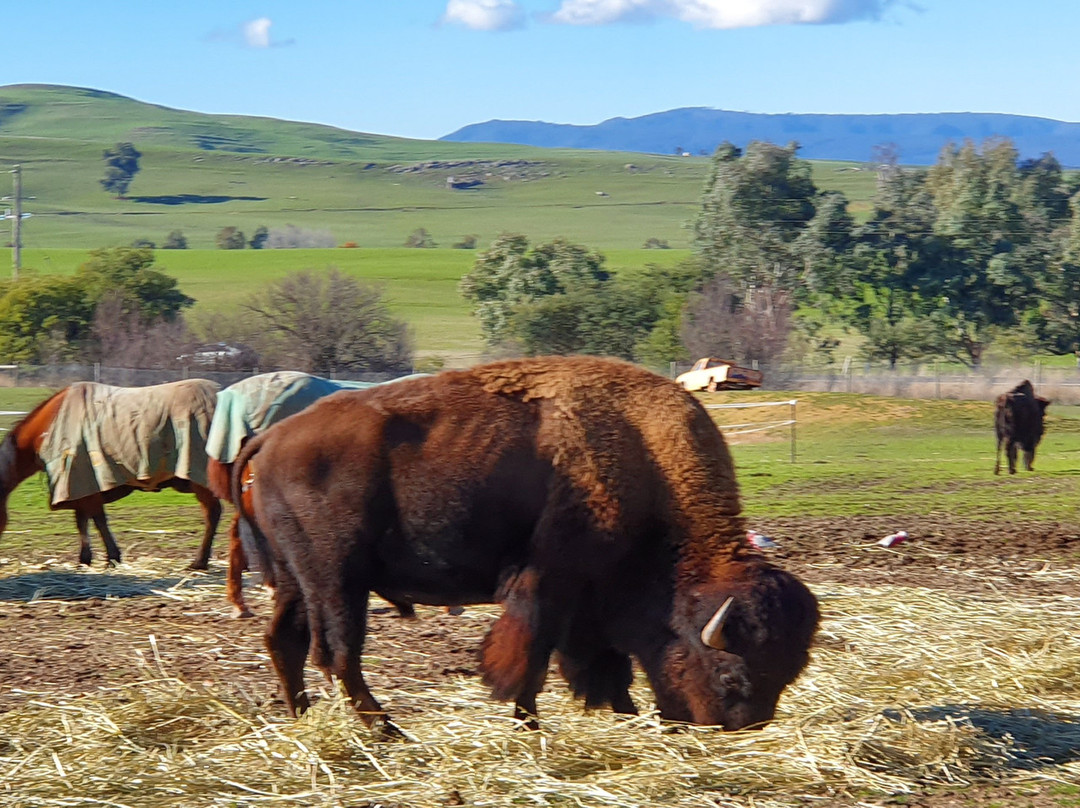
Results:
x,y
98,443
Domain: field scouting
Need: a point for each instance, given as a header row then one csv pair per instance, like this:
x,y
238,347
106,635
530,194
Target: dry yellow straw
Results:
x,y
908,688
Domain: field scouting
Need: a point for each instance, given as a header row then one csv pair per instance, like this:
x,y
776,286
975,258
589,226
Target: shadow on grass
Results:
x,y
1035,738
61,585
194,199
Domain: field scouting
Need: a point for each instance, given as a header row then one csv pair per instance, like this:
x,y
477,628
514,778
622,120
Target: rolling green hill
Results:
x,y
202,172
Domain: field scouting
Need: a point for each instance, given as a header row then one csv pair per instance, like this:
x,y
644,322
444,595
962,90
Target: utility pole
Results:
x,y
16,217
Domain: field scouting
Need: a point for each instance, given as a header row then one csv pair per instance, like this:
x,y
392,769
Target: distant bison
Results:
x,y
1018,421
595,500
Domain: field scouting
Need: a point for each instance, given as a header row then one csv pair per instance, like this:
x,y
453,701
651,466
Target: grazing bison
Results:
x,y
595,500
97,444
1018,421
244,409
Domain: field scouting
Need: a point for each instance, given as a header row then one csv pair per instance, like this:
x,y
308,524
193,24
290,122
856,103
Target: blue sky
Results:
x,y
422,68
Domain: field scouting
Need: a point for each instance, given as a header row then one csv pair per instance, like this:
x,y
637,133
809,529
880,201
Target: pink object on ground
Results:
x,y
894,539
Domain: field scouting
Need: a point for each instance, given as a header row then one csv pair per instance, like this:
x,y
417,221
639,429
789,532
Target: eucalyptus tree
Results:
x,y
1058,319
885,298
754,206
509,274
121,166
988,276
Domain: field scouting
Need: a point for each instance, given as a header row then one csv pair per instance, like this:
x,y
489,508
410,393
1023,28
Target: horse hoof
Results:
x,y
241,612
199,565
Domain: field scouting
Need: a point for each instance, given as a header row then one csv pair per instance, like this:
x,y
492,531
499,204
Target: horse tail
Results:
x,y
217,478
241,488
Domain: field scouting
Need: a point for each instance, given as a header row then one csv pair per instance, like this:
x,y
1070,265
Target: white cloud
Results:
x,y
721,13
485,15
257,32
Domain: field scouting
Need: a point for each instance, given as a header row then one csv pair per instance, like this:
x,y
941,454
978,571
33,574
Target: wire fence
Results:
x,y
56,376
926,380
1061,385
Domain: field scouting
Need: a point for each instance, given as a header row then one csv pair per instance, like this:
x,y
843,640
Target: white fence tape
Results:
x,y
732,430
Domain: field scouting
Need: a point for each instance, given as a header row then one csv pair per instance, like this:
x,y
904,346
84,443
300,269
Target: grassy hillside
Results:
x,y
203,172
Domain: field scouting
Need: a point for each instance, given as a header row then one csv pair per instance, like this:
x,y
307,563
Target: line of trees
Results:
x,y
119,308
981,247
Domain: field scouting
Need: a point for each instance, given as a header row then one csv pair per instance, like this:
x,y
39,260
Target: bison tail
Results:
x,y
241,487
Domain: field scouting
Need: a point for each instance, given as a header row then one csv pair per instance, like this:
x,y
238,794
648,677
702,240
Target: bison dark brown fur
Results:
x,y
1018,422
595,500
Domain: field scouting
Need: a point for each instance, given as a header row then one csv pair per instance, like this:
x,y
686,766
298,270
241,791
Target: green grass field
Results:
x,y
420,285
865,455
856,456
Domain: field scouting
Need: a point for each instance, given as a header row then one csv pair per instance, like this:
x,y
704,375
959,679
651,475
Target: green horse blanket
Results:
x,y
248,407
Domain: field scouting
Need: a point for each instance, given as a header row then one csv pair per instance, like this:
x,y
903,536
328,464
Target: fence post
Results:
x,y
97,372
937,379
793,401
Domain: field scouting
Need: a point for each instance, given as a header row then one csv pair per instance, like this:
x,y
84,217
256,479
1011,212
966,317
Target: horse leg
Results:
x,y
234,578
211,507
82,524
96,509
288,639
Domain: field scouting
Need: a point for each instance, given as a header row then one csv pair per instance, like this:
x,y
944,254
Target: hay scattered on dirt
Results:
x,y
907,688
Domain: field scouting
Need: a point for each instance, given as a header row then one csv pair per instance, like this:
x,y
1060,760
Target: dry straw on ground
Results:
x,y
908,688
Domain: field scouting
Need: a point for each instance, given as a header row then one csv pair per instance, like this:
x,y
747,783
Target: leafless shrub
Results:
x,y
126,340
329,322
292,237
745,325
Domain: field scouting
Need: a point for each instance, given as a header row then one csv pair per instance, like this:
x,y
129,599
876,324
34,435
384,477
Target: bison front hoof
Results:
x,y
242,612
386,730
85,558
199,565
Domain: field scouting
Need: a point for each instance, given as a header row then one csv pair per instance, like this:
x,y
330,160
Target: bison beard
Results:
x,y
595,500
1018,422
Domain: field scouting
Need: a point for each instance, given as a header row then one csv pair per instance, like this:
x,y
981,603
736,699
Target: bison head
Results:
x,y
738,645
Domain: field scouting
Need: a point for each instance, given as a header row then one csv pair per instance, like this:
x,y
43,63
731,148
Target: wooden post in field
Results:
x,y
793,402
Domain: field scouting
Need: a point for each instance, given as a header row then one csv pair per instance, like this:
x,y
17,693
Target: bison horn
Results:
x,y
713,633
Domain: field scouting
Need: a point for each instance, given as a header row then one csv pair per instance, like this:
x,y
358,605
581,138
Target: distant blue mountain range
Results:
x,y
919,137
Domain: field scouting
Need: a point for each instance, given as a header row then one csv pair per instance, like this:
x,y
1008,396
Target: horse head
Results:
x,y
19,456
